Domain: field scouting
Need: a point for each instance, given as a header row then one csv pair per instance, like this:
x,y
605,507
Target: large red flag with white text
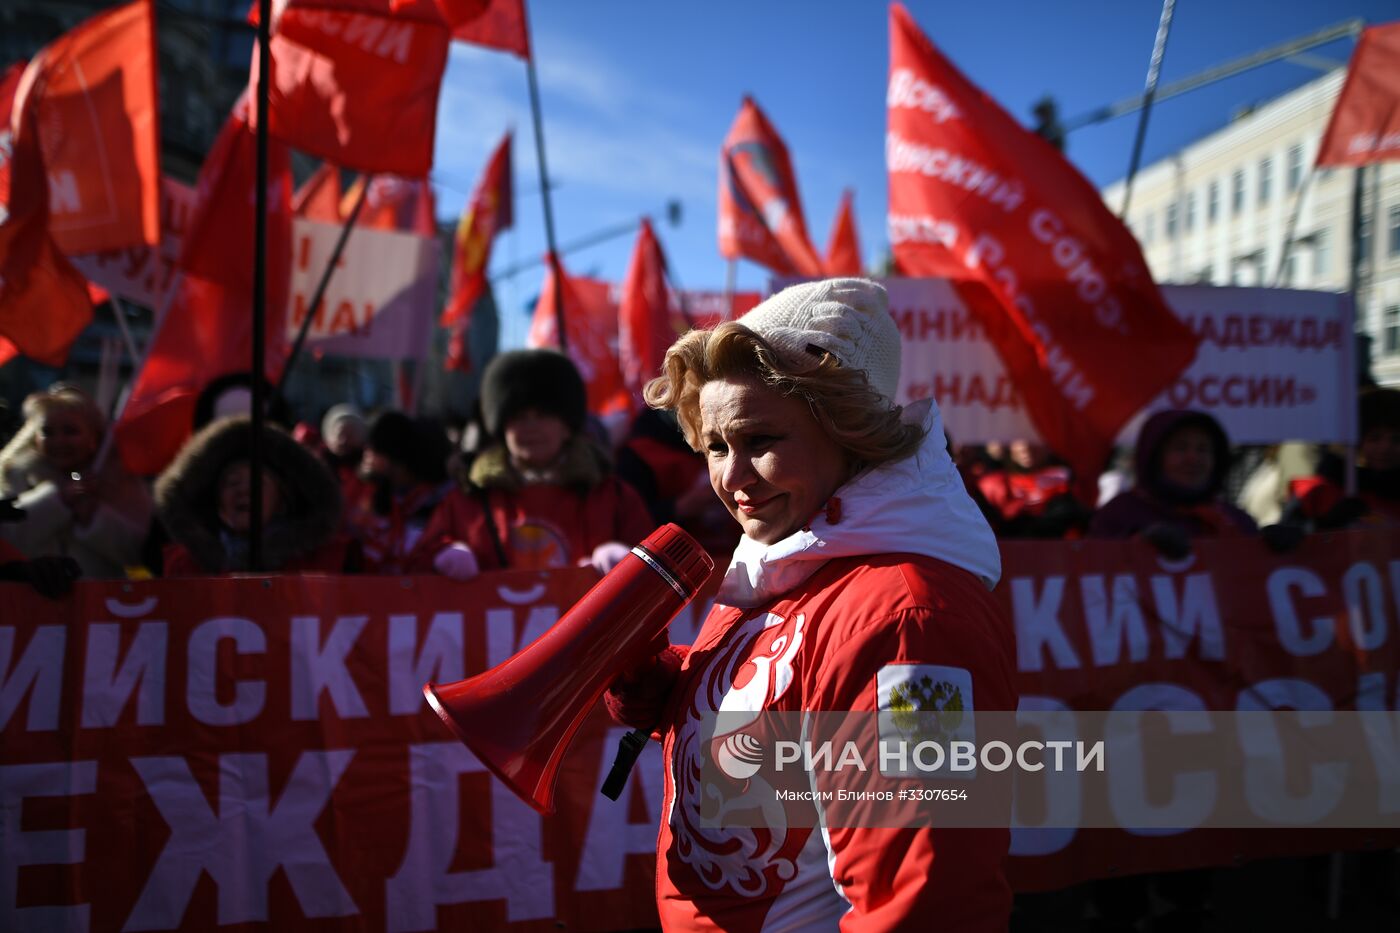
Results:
x,y
207,331
591,317
355,85
44,301
1365,125
644,313
489,211
843,249
1059,282
760,211
95,95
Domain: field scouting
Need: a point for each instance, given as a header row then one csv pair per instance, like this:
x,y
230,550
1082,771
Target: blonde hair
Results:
x,y
851,412
64,396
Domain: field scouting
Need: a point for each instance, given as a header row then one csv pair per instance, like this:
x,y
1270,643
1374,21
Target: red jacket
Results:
x,y
824,645
538,526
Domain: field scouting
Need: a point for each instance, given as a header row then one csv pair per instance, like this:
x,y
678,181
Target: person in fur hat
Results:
x,y
542,494
204,500
96,514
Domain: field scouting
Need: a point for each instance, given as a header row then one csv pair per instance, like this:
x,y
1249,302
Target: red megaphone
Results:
x,y
519,717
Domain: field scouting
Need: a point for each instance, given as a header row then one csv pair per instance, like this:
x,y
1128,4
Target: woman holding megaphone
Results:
x,y
864,568
862,582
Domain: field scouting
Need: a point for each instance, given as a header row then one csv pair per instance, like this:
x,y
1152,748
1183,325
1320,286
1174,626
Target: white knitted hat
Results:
x,y
849,318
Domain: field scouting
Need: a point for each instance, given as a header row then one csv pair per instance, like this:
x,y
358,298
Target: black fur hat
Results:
x,y
420,447
521,379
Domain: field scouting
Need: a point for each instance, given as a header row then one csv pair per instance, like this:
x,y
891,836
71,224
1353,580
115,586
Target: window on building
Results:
x,y
1290,268
1212,202
1391,337
1394,245
1295,168
1147,225
1322,255
1171,221
1266,179
1190,211
1237,192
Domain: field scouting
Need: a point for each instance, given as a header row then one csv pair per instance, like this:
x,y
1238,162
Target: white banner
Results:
x,y
144,274
1274,364
381,299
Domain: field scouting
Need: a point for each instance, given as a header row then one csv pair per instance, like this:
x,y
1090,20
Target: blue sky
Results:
x,y
637,98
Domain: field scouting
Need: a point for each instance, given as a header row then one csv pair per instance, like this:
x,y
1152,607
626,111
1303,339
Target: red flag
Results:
x,y
489,211
403,205
591,317
44,303
644,314
218,244
358,89
1072,307
95,91
319,196
499,24
760,212
207,331
843,249
1365,125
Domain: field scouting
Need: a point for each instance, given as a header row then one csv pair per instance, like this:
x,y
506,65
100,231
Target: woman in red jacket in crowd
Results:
x,y
863,578
543,494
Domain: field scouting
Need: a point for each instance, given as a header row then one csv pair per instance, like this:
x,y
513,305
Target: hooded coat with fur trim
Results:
x,y
103,547
512,522
1154,501
302,538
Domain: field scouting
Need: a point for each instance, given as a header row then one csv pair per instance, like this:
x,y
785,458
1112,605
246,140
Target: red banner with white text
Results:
x,y
189,754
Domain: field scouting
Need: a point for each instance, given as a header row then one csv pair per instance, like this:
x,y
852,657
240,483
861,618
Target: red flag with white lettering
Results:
x,y
498,24
489,211
359,89
207,332
760,212
95,92
1365,125
843,249
44,302
644,313
1059,282
591,317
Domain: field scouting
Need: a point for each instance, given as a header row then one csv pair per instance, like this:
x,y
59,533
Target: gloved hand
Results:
x,y
1282,539
457,562
1171,541
609,555
50,576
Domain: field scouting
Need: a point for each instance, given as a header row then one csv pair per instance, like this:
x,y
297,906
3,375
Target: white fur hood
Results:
x,y
917,505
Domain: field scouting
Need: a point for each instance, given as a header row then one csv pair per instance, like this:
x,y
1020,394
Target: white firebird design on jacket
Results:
x,y
749,674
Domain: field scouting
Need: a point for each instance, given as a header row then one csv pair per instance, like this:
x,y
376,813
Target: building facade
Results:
x,y
1220,210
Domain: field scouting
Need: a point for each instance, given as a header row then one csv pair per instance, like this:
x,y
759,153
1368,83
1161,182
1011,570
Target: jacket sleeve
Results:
x,y
898,878
119,526
45,517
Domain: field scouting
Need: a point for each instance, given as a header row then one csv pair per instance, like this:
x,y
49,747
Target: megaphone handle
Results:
x,y
628,751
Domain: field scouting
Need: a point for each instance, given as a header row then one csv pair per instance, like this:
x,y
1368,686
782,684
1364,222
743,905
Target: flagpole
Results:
x,y
554,263
1293,226
255,524
1154,69
320,293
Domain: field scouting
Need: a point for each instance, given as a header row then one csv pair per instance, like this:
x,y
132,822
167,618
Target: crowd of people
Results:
x,y
535,483
843,519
